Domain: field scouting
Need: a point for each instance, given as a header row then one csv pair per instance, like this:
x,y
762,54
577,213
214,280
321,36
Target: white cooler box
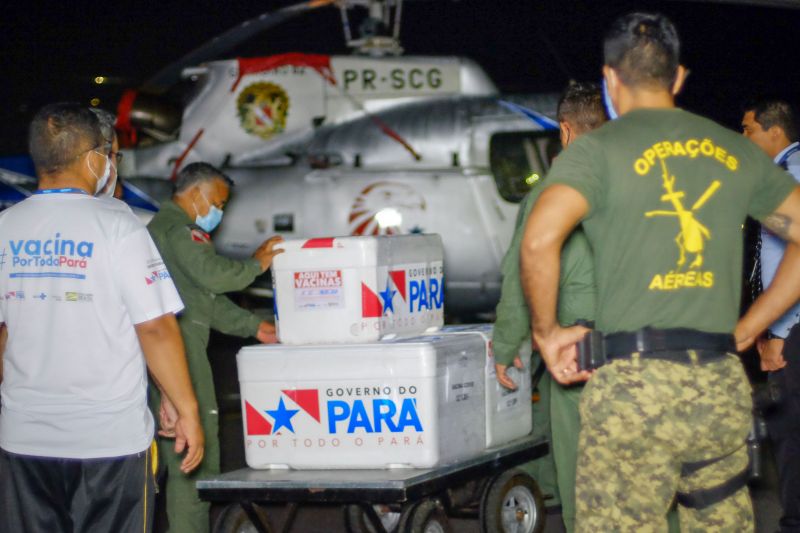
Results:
x,y
358,289
508,413
413,403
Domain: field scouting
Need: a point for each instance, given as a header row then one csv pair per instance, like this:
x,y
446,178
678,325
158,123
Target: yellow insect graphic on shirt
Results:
x,y
693,234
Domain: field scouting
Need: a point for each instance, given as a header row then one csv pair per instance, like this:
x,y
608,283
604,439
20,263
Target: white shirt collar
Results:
x,y
782,152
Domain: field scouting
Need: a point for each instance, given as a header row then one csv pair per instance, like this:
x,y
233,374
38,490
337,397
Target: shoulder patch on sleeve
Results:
x,y
198,235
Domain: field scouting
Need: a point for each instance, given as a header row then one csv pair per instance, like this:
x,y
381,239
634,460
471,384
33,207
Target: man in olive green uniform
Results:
x,y
662,195
181,232
556,413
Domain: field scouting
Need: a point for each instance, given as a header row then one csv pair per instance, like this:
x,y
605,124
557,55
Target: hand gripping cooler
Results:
x,y
405,403
508,413
358,289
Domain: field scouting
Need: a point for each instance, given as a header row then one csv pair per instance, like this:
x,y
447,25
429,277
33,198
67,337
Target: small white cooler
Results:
x,y
508,413
358,289
404,403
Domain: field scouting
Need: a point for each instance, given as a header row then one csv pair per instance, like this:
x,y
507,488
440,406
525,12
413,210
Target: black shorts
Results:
x,y
39,494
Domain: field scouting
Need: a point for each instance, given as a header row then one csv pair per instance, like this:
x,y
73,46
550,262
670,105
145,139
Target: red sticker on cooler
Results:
x,y
326,242
318,289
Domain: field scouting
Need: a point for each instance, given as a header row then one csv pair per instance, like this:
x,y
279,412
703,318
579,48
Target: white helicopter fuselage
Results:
x,y
248,111
326,146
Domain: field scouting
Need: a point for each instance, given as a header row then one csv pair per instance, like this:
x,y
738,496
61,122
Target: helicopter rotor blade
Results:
x,y
789,4
224,42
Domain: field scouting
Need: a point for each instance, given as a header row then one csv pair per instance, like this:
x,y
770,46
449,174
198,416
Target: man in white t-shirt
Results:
x,y
89,306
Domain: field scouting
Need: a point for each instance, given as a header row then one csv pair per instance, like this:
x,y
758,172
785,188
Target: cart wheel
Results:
x,y
427,516
405,516
357,522
233,519
513,503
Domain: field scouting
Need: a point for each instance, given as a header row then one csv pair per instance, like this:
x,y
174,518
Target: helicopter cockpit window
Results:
x,y
519,159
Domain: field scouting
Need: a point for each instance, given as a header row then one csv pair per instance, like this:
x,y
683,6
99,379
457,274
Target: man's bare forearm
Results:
x,y
556,213
540,264
163,349
784,291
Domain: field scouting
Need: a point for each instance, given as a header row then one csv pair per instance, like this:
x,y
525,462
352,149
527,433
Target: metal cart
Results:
x,y
504,498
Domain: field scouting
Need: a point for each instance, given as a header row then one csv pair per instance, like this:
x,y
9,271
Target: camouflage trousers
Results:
x,y
641,420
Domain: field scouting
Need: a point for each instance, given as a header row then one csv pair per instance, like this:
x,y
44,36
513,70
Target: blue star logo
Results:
x,y
282,416
387,296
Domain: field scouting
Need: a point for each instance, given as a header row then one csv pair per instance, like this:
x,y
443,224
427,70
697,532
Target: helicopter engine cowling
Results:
x,y
141,112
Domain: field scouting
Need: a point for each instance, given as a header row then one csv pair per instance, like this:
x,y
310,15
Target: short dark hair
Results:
x,y
107,121
643,49
195,173
59,132
770,112
582,105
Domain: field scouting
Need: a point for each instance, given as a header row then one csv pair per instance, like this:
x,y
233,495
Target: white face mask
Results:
x,y
101,180
108,190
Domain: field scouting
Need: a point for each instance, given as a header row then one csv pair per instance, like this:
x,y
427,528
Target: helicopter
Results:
x,y
372,143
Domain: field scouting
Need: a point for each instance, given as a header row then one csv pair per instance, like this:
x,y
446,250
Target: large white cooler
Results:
x,y
404,403
358,289
508,413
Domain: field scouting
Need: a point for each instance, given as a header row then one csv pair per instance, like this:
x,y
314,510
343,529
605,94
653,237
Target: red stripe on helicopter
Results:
x,y
126,131
179,161
254,65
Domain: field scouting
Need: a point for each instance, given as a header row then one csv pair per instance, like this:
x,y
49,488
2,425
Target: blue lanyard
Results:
x,y
794,149
73,190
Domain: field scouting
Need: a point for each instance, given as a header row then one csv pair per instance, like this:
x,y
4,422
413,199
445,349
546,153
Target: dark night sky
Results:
x,y
52,50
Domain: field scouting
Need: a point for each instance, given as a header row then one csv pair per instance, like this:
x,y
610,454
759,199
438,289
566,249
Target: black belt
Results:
x,y
702,498
669,344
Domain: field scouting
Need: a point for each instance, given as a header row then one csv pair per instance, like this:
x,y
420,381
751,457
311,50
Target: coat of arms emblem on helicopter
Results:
x,y
262,108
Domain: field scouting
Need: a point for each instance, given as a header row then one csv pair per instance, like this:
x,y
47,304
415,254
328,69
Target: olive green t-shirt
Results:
x,y
668,194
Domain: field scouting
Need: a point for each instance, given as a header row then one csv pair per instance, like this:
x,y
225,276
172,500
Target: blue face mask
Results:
x,y
211,219
612,113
